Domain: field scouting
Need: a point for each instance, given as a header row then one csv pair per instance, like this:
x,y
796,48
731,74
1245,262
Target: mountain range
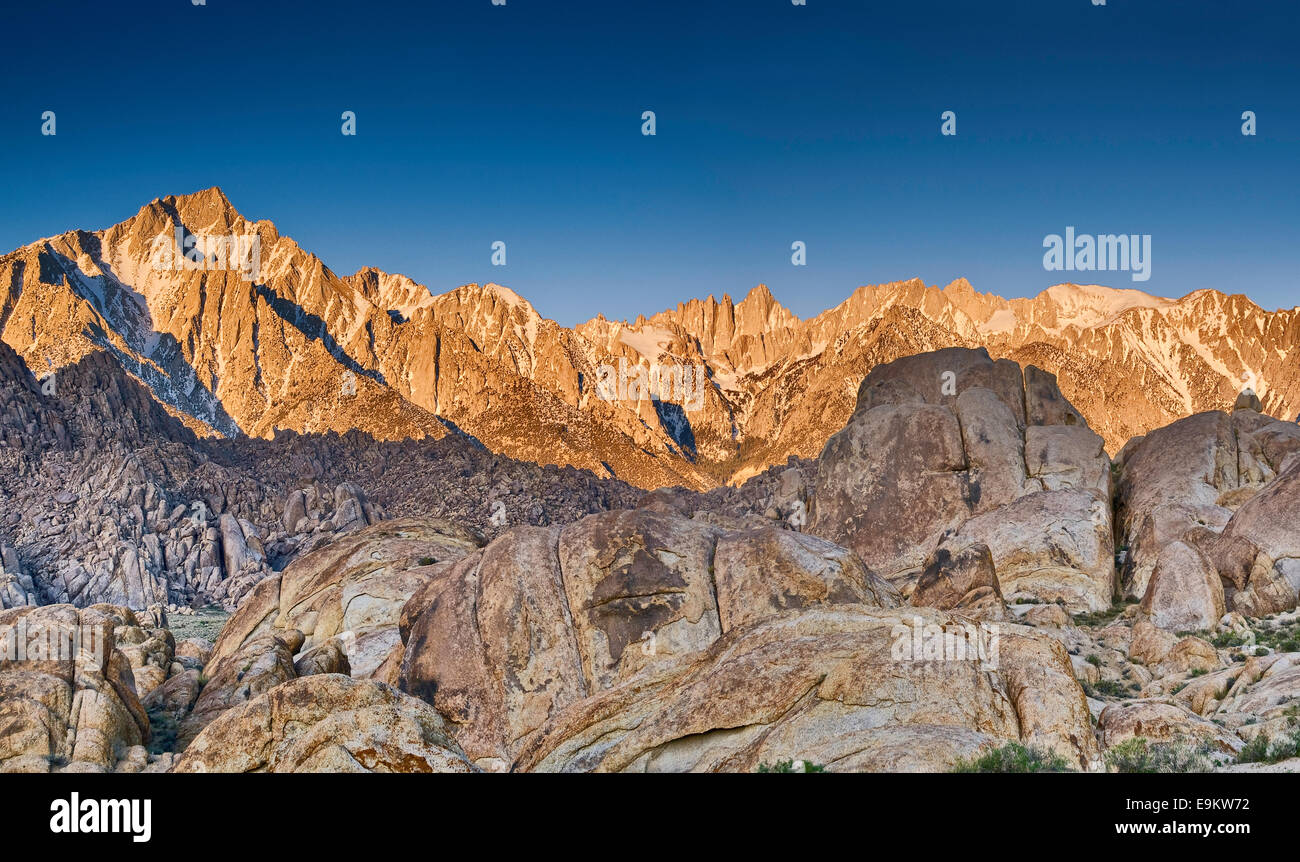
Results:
x,y
299,347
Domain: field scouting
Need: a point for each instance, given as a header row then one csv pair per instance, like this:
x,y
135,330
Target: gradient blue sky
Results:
x,y
775,123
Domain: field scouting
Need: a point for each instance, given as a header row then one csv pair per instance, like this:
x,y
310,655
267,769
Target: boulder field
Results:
x,y
973,570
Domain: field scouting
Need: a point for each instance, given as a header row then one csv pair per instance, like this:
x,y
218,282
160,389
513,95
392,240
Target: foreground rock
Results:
x,y
262,663
326,723
351,591
67,695
542,618
1208,506
966,581
829,685
1258,553
1162,722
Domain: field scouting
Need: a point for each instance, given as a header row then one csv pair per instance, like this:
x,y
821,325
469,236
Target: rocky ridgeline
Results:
x,y
381,353
107,498
961,569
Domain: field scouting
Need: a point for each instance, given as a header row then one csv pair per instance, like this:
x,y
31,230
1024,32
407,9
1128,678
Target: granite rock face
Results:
x,y
326,723
1207,507
541,619
68,697
952,449
828,684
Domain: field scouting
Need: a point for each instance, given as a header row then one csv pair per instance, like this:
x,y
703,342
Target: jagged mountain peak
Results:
x,y
392,292
201,211
488,298
1093,304
212,196
761,305
299,347
508,296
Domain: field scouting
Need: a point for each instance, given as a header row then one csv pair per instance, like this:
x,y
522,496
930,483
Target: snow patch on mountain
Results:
x,y
1089,305
649,341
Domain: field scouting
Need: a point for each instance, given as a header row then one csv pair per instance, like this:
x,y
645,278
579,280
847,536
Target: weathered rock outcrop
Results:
x,y
352,590
952,448
965,581
542,618
1185,592
1155,721
149,651
1193,473
1208,506
259,665
327,723
1258,553
67,695
831,685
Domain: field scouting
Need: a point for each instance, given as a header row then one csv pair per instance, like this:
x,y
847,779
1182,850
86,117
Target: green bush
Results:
x,y
784,766
162,731
1139,755
1105,688
1014,758
1262,749
1270,634
1228,639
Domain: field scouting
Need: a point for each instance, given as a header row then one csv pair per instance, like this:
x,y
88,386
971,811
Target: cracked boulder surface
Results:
x,y
1189,477
1207,508
825,684
349,593
954,449
326,723
68,699
542,619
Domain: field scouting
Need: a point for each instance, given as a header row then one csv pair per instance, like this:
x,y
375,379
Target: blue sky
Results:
x,y
776,123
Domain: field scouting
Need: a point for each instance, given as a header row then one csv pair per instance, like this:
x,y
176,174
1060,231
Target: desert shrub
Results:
x,y
1140,755
787,766
1227,639
162,731
1263,749
1014,758
1105,688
